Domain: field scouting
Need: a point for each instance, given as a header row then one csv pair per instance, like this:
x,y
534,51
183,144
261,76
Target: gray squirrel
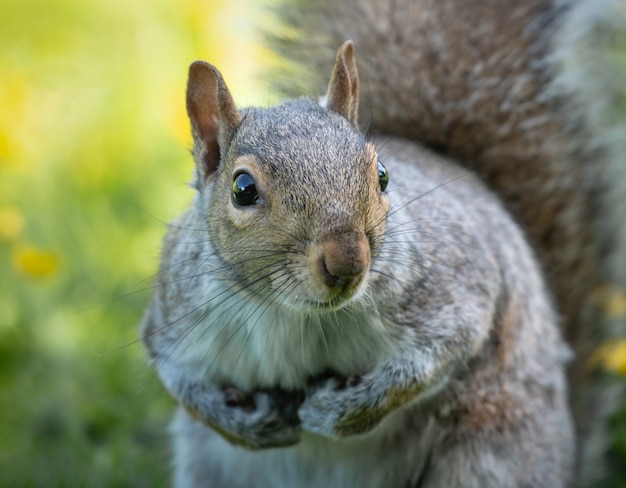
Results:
x,y
414,308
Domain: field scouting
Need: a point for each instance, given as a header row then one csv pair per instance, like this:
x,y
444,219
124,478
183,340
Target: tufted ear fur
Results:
x,y
213,115
343,89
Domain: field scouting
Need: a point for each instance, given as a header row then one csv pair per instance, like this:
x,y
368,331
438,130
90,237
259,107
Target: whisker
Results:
x,y
271,298
170,349
228,340
421,195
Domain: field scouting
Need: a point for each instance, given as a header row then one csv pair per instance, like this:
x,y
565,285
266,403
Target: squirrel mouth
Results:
x,y
341,296
329,306
337,266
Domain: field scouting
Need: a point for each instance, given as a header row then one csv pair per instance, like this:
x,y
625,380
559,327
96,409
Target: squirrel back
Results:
x,y
523,94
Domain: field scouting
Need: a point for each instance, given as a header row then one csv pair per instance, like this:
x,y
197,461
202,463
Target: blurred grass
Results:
x,y
93,160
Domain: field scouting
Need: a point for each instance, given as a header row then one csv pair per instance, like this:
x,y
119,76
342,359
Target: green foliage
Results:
x,y
93,159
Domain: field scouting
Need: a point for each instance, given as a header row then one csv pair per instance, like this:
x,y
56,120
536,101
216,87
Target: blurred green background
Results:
x,y
94,159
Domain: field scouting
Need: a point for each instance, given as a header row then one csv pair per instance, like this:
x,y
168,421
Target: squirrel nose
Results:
x,y
340,273
344,261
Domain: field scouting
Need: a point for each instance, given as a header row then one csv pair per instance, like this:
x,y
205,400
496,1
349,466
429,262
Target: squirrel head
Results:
x,y
294,195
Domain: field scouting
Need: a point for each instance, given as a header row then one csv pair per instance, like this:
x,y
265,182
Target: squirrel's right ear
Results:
x,y
343,90
213,115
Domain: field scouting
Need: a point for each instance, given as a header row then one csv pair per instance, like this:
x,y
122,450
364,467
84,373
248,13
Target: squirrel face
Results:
x,y
298,207
295,197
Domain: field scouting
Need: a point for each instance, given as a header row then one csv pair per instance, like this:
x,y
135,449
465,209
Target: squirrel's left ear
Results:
x,y
213,115
343,90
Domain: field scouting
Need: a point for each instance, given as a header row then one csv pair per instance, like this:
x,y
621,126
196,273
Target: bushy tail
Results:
x,y
521,92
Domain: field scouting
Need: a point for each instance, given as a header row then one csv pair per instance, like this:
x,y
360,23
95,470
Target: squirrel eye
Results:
x,y
244,190
383,176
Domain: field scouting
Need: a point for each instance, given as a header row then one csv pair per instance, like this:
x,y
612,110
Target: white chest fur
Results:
x,y
233,341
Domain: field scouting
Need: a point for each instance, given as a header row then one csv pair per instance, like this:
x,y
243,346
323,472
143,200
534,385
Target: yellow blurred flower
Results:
x,y
5,147
178,123
14,127
11,223
612,357
34,262
611,301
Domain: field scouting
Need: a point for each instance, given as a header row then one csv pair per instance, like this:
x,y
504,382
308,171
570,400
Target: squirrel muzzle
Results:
x,y
339,265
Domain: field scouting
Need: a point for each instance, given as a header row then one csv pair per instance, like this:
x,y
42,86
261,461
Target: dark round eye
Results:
x,y
383,176
244,190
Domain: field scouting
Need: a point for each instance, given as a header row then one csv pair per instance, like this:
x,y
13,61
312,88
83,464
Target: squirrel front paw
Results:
x,y
257,420
341,407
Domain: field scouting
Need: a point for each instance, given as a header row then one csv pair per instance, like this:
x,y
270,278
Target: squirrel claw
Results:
x,y
234,397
